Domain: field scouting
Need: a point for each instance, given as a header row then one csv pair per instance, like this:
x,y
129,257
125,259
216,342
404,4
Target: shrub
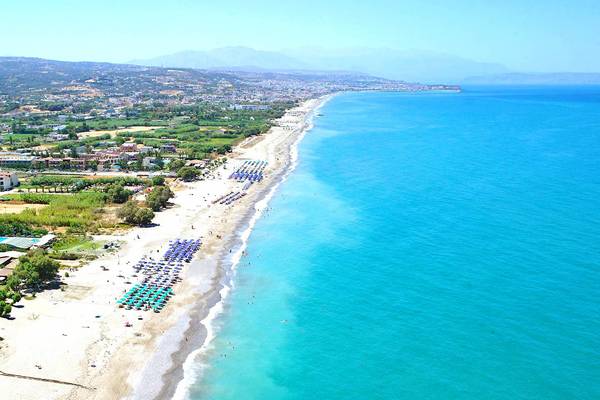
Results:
x,y
64,256
12,227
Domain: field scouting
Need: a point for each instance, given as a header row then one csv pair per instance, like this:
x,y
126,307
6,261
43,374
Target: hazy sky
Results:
x,y
530,35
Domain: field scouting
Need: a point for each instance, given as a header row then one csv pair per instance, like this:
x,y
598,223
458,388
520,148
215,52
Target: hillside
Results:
x,y
413,66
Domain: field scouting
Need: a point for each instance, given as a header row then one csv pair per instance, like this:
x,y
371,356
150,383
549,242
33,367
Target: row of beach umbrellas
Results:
x,y
145,297
251,171
182,249
155,287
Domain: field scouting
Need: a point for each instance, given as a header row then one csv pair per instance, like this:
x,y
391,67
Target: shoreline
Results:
x,y
89,342
178,378
177,381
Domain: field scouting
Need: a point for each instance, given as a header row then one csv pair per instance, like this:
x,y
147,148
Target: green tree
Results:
x,y
35,268
133,214
3,305
224,149
127,212
176,165
123,164
165,194
7,309
15,297
159,197
116,193
144,216
153,202
187,173
13,282
158,180
159,162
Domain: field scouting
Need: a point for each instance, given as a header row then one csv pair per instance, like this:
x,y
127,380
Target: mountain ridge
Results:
x,y
411,65
224,57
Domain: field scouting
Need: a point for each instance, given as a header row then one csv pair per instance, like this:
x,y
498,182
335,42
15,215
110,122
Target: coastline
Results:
x,y
91,345
176,381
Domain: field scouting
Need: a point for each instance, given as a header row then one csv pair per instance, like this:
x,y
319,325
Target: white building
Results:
x,y
8,180
57,136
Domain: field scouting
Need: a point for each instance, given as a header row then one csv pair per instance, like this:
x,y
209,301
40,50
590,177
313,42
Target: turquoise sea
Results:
x,y
427,246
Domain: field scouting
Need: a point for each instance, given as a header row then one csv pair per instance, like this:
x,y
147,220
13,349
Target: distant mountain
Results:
x,y
225,58
409,65
559,78
413,66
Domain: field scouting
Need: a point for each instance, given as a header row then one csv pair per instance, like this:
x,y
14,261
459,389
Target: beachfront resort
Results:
x,y
116,280
121,204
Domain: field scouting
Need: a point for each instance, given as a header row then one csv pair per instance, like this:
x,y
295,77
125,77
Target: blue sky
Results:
x,y
526,35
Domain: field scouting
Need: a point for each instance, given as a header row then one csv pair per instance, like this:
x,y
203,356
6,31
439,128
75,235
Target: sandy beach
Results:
x,y
73,343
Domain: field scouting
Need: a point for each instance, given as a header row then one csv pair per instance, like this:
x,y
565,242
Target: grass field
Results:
x,y
113,132
78,212
75,244
16,207
115,123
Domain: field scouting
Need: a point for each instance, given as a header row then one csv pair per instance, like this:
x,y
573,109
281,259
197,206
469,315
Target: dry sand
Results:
x,y
73,343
